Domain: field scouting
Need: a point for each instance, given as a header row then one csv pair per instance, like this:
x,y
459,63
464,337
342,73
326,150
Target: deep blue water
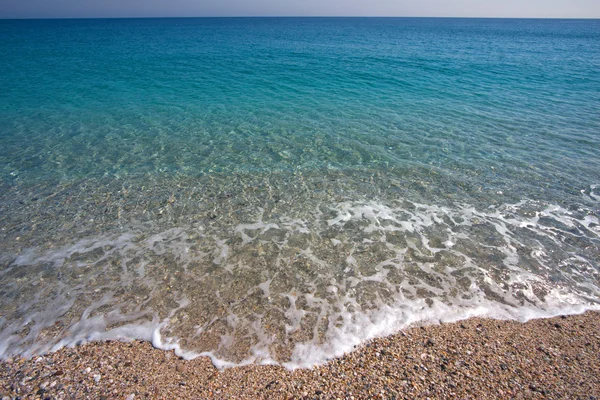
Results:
x,y
384,166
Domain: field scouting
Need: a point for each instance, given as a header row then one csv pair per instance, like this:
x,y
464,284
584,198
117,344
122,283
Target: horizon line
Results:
x,y
297,16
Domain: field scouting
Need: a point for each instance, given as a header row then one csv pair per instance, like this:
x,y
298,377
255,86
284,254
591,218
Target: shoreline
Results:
x,y
476,358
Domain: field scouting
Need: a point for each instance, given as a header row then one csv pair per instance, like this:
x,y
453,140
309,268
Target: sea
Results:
x,y
282,190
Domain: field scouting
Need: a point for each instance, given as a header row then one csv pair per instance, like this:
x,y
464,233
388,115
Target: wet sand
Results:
x,y
477,358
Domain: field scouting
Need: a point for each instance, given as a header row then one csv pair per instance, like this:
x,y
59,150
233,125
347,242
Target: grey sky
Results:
x,y
174,8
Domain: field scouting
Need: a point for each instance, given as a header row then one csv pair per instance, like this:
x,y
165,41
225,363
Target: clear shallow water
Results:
x,y
280,190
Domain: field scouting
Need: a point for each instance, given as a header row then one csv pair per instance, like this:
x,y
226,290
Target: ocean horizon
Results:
x,y
282,189
300,17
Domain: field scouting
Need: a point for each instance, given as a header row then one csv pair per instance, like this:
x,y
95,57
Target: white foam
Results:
x,y
58,256
593,188
261,226
264,286
389,320
332,292
221,252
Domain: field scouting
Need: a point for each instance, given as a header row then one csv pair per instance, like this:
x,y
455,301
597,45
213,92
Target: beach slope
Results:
x,y
476,358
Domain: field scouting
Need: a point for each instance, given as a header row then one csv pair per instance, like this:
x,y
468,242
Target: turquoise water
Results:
x,y
280,189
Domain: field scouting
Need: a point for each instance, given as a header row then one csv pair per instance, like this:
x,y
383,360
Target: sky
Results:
x,y
199,8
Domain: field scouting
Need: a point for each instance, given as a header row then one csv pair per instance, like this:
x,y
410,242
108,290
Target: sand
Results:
x,y
477,358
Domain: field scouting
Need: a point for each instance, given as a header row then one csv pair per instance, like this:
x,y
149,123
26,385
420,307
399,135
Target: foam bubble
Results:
x,y
301,287
389,320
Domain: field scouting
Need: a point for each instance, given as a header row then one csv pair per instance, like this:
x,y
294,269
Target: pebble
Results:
x,y
180,367
458,364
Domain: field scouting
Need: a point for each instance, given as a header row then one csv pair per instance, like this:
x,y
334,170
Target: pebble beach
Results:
x,y
285,191
319,204
477,358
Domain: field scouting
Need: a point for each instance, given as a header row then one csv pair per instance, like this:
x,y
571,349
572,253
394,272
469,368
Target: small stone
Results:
x,y
430,342
130,397
97,377
180,367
